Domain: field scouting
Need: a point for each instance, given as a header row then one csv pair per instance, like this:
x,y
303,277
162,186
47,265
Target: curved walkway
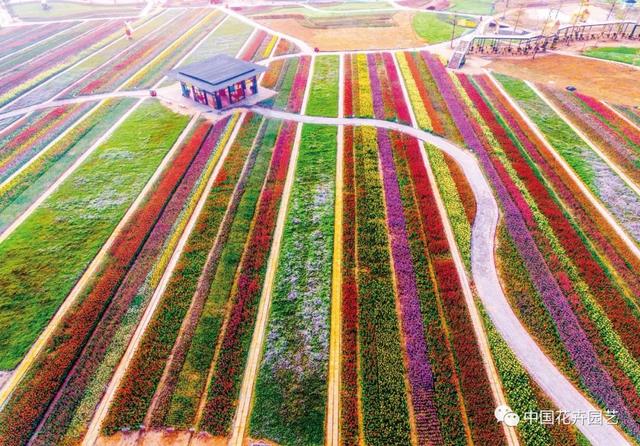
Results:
x,y
485,276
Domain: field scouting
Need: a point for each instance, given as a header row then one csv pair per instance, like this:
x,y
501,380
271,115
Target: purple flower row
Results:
x,y
419,369
582,353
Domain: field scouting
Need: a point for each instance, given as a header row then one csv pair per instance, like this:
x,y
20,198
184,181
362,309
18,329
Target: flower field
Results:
x,y
34,135
9,63
599,177
77,206
20,191
42,68
365,258
134,62
28,35
85,67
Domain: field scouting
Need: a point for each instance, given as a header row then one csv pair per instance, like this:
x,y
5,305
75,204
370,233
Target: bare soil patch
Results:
x,y
611,82
398,34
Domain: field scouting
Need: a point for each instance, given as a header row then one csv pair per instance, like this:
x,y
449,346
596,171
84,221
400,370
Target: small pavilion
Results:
x,y
220,81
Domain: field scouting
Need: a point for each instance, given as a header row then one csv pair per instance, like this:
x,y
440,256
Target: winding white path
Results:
x,y
544,372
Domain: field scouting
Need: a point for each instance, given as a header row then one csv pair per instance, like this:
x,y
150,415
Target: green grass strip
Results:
x,y
46,255
291,390
323,97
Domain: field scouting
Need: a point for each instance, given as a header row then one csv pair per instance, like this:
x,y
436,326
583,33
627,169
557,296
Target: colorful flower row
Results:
x,y
609,117
174,193
137,388
299,85
251,48
272,75
42,68
419,370
30,400
285,47
364,104
395,86
284,83
223,391
177,397
383,394
522,215
415,89
471,381
291,390
268,48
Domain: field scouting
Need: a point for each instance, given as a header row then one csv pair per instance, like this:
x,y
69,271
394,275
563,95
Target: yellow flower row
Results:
x,y
365,103
414,95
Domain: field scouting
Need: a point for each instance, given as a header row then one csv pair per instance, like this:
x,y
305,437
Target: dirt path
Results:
x,y
240,426
101,411
483,266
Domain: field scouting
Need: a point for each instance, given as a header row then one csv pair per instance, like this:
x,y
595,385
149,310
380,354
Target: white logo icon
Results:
x,y
505,415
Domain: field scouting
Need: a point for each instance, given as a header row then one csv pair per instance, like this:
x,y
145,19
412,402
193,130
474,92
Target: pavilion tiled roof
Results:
x,y
216,73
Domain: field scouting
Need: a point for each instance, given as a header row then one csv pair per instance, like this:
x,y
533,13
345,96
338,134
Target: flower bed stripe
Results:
x,y
472,382
323,97
223,393
299,85
572,334
251,49
417,92
291,389
395,87
383,392
350,407
23,36
364,96
419,369
348,86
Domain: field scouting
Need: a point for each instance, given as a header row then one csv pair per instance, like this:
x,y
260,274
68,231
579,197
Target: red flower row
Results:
x,y
349,389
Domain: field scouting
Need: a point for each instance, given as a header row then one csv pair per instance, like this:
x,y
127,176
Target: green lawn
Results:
x,y
323,97
46,255
480,7
622,54
435,28
60,10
